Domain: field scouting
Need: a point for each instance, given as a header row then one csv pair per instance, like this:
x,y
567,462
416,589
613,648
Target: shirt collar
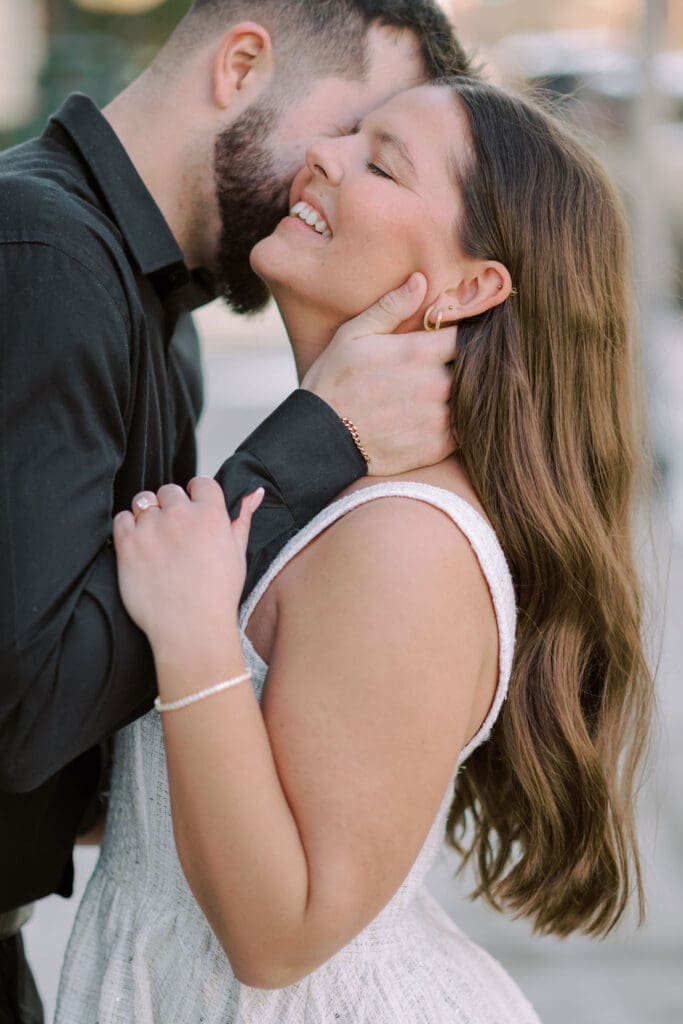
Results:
x,y
148,237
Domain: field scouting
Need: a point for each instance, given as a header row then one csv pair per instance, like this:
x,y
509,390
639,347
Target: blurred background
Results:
x,y
615,68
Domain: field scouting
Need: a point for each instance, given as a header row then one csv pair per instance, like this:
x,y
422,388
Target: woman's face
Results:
x,y
386,206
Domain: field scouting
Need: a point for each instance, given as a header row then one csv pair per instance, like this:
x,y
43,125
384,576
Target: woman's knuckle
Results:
x,y
387,304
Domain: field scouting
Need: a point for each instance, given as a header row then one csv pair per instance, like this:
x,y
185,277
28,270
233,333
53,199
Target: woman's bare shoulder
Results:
x,y
407,557
396,551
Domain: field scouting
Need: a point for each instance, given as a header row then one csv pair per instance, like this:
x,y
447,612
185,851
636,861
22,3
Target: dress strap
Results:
x,y
483,542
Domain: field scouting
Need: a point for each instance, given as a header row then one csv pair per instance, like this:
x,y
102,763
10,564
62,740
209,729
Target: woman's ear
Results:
x,y
243,64
484,284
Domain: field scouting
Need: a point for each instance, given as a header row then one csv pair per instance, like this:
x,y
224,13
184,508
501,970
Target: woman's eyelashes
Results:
x,y
374,169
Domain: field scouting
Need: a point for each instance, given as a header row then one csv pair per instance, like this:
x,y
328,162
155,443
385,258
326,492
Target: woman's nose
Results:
x,y
323,159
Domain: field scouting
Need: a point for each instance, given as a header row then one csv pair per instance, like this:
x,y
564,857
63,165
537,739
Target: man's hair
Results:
x,y
440,50
313,38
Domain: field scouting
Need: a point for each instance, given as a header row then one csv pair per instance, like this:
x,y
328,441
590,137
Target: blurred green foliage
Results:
x,y
98,54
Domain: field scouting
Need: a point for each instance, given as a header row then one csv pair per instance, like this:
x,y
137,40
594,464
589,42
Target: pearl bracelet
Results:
x,y
192,698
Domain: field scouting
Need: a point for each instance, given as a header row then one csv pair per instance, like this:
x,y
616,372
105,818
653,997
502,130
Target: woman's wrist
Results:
x,y
183,668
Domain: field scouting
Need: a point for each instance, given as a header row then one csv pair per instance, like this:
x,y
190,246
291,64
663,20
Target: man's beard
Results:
x,y
252,199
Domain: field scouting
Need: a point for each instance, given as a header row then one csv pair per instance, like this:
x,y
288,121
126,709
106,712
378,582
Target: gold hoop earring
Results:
x,y
439,317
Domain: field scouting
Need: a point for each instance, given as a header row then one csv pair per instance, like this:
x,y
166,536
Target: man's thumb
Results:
x,y
389,312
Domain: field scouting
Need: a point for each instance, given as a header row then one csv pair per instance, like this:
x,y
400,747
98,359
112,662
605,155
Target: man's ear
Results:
x,y
484,284
243,64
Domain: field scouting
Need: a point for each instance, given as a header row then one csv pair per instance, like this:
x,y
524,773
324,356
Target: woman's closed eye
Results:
x,y
375,169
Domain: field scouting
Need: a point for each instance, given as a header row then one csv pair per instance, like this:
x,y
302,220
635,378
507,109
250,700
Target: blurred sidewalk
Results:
x,y
632,978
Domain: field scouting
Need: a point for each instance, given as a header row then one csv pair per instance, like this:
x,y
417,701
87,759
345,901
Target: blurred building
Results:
x,y
482,22
22,51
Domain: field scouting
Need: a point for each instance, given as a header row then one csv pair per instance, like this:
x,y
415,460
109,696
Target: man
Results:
x,y
113,227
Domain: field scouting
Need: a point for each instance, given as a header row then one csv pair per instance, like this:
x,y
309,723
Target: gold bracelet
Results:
x,y
356,438
192,698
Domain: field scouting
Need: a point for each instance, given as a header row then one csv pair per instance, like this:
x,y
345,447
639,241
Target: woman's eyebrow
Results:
x,y
397,144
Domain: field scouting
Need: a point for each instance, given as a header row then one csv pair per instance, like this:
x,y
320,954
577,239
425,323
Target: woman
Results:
x,y
381,640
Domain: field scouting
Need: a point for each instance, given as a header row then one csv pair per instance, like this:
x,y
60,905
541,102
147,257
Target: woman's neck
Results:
x,y
310,330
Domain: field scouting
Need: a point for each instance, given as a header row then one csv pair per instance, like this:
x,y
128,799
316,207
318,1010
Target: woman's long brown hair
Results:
x,y
546,416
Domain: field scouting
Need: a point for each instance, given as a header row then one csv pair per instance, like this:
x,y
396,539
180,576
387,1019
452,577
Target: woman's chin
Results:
x,y
258,257
296,278
272,261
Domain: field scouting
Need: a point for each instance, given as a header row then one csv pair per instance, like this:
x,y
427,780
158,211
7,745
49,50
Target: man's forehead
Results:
x,y
394,64
333,106
393,58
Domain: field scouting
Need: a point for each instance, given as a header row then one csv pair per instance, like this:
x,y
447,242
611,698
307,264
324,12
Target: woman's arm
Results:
x,y
296,823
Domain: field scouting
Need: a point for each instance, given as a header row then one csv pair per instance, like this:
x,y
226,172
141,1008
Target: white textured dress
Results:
x,y
142,951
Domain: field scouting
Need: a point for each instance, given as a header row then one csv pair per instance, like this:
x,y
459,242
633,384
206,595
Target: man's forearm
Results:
x,y
83,674
304,456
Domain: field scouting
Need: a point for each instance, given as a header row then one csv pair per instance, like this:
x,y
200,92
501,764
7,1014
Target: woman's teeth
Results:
x,y
311,217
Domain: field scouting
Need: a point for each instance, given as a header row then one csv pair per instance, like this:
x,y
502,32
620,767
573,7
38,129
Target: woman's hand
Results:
x,y
395,388
182,563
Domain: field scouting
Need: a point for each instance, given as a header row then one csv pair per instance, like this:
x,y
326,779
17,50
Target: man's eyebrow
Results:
x,y
387,139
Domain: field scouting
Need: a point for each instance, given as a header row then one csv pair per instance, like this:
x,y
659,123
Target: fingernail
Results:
x,y
258,493
413,282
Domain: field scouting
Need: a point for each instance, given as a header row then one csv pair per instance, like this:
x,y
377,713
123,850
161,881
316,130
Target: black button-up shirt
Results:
x,y
100,391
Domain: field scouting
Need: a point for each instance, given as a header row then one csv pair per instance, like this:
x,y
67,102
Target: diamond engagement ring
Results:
x,y
143,504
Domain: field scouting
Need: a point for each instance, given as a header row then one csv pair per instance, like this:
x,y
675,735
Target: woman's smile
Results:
x,y
311,217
